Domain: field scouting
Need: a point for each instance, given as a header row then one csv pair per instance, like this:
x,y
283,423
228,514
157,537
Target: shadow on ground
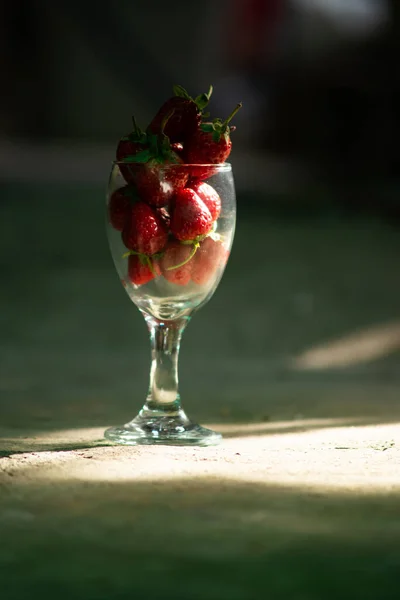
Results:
x,y
65,439
185,540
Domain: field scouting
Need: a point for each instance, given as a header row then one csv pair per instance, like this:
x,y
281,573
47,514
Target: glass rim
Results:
x,y
218,166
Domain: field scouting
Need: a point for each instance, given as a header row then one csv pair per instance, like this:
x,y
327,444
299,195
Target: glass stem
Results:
x,y
163,396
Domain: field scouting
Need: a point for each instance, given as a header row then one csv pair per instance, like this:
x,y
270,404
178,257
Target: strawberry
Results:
x,y
184,122
119,206
176,263
156,184
210,256
144,231
141,269
190,217
165,217
186,117
131,149
209,196
178,148
129,146
155,170
210,144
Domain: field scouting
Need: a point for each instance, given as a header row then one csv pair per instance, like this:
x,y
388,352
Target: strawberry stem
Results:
x,y
161,141
196,245
166,119
233,113
144,259
136,129
149,263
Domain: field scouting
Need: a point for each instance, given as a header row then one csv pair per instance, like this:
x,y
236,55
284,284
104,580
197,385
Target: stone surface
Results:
x,y
307,509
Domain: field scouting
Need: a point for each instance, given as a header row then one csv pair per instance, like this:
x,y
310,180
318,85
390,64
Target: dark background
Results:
x,y
319,82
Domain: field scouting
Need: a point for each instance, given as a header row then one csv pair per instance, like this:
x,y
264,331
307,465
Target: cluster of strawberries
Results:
x,y
166,212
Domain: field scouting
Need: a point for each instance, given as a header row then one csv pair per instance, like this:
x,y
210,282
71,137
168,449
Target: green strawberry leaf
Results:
x,y
181,92
138,139
165,153
216,136
207,127
158,160
141,157
202,101
153,144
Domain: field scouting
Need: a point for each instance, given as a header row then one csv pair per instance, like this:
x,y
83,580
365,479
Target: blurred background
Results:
x,y
318,79
305,324
317,173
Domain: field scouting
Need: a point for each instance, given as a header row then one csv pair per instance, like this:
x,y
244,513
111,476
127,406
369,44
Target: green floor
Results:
x,y
74,353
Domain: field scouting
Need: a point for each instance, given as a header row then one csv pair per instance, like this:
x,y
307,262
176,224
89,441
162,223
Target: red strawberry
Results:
x,y
141,269
178,148
144,231
210,256
126,147
185,118
210,144
156,170
118,208
190,216
129,146
176,263
164,214
209,196
183,122
156,184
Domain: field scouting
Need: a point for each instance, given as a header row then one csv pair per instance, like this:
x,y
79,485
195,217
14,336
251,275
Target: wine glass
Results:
x,y
168,290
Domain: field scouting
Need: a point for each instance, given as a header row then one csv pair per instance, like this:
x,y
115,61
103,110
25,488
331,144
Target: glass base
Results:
x,y
163,430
